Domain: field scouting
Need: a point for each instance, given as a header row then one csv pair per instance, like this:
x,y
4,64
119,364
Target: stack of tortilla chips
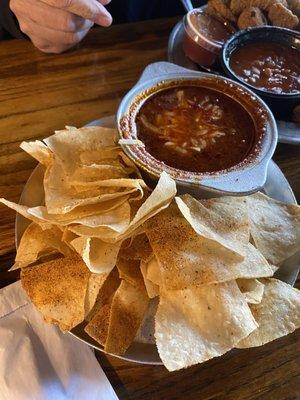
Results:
x,y
112,246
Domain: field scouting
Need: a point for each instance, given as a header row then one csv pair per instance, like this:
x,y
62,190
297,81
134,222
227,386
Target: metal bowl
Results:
x,y
247,177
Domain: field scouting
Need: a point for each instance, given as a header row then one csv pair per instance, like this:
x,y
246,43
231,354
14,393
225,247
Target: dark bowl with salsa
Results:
x,y
267,60
212,135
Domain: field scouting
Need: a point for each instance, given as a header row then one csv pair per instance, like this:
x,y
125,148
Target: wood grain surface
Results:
x,y
40,93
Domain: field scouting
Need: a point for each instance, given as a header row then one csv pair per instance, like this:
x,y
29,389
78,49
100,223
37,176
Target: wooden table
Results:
x,y
40,93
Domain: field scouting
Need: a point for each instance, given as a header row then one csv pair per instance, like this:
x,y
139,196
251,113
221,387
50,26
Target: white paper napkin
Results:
x,y
38,362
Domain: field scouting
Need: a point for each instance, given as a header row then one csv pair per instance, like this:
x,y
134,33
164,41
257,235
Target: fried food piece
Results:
x,y
219,9
281,16
283,2
294,6
251,16
238,6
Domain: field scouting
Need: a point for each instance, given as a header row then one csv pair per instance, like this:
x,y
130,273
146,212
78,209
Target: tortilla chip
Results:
x,y
84,151
61,197
57,289
153,272
91,174
187,259
70,143
127,311
97,328
112,222
152,288
95,282
223,220
274,268
275,227
252,289
98,256
138,184
39,151
277,315
195,325
145,333
112,156
68,236
158,200
130,164
23,210
108,155
90,215
106,293
88,232
36,242
129,271
130,262
137,248
117,220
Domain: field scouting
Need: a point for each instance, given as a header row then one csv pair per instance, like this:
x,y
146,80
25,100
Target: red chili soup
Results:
x,y
195,129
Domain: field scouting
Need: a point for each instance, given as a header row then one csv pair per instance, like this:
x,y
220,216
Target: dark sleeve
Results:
x,y
139,10
8,21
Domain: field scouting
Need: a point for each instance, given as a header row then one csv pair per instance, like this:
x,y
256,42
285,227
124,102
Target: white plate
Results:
x,y
288,132
140,352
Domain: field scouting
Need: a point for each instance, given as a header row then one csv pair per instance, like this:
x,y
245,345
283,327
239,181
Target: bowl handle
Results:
x,y
244,181
161,68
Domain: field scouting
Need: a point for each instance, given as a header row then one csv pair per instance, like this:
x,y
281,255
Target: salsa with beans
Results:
x,y
195,129
269,66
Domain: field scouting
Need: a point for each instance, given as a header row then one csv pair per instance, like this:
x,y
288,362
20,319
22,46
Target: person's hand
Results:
x,y
57,25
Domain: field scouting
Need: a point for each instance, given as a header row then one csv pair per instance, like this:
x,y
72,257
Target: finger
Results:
x,y
88,9
41,44
48,47
64,39
48,16
104,2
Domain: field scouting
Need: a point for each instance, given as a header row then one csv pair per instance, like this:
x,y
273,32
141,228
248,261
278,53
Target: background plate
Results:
x,y
288,132
33,194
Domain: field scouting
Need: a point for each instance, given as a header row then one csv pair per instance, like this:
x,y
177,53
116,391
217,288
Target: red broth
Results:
x,y
195,129
268,66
